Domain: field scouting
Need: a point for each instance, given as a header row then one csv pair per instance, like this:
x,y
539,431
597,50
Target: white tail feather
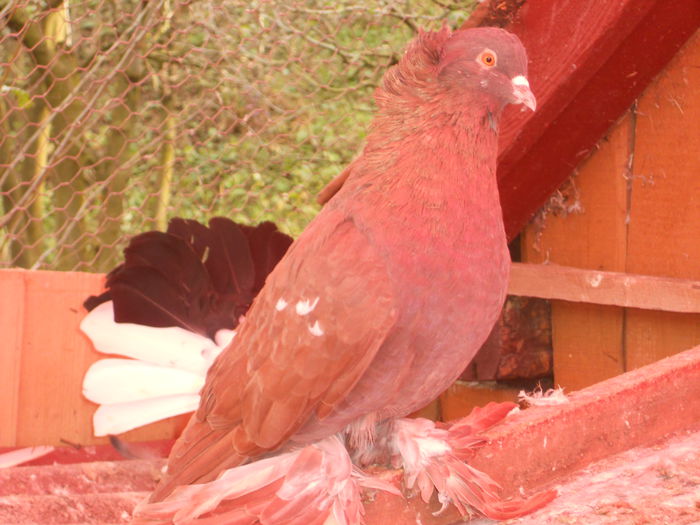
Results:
x,y
122,380
121,417
171,346
223,337
23,455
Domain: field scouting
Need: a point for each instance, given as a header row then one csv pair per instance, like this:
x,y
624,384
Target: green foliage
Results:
x,y
301,83
269,101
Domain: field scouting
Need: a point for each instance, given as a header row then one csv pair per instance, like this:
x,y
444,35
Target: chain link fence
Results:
x,y
116,115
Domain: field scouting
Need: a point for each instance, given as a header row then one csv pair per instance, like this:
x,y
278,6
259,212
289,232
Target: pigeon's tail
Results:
x,y
171,308
433,458
160,376
302,487
195,277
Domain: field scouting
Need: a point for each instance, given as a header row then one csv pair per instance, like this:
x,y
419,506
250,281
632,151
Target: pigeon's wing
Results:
x,y
333,187
308,338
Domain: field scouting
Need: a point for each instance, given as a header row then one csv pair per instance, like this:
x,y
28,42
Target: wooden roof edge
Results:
x,y
589,61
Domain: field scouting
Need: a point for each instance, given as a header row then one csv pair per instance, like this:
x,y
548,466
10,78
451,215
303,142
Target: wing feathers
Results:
x,y
277,375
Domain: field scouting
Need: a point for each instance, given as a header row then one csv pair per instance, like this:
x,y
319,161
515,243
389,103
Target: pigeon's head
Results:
x,y
487,60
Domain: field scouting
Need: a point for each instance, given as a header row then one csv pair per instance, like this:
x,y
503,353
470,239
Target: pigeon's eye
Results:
x,y
487,58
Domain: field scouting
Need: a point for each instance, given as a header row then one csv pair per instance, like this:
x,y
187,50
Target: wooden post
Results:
x,y
587,231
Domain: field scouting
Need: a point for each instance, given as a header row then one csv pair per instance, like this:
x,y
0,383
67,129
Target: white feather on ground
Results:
x,y
163,379
538,397
23,455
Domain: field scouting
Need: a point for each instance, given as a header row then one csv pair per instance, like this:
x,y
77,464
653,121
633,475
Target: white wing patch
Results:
x,y
281,304
305,307
315,329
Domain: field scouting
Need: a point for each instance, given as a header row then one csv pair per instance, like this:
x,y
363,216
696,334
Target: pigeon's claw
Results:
x,y
433,459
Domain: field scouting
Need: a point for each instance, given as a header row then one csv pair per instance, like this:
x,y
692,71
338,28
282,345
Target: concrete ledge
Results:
x,y
81,478
69,509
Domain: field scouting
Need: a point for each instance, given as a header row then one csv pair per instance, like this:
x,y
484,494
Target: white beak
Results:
x,y
522,93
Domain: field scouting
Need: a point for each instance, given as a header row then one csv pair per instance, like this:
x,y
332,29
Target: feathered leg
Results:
x,y
433,458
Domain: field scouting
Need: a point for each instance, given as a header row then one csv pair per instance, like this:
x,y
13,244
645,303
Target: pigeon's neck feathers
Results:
x,y
429,166
437,181
432,169
426,134
411,96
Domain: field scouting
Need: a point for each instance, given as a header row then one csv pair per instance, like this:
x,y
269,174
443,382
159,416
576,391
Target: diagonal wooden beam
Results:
x,y
589,61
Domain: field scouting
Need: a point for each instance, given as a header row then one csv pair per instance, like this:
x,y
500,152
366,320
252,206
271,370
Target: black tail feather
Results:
x,y
196,277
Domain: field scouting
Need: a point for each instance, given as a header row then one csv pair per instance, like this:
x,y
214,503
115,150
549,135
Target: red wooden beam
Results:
x,y
589,61
541,445
637,408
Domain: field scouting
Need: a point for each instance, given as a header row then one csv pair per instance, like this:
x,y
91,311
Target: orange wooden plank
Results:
x,y
587,339
552,281
431,411
664,226
462,396
587,342
54,358
11,313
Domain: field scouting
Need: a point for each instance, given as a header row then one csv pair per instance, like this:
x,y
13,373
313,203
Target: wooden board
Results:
x,y
52,359
587,339
44,358
664,226
640,200
552,281
459,400
11,328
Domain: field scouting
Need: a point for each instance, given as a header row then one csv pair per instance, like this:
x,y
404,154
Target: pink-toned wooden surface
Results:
x,y
630,410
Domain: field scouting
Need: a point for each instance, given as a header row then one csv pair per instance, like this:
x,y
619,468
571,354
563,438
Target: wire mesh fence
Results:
x,y
116,115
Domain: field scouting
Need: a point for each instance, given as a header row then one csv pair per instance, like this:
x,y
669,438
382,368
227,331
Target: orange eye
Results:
x,y
488,58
